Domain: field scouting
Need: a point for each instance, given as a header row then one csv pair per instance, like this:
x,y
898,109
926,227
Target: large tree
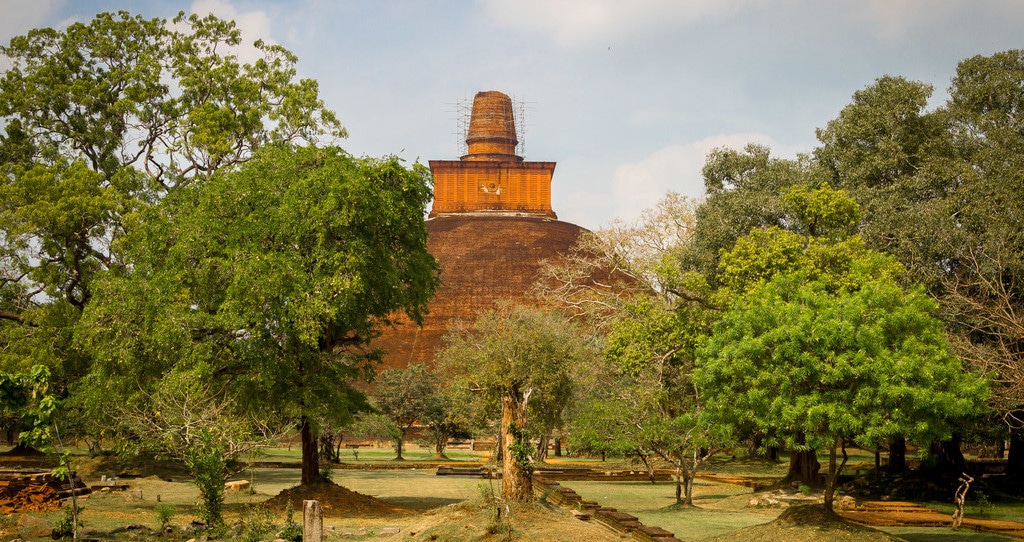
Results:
x,y
405,396
517,355
742,192
102,119
941,191
271,279
816,368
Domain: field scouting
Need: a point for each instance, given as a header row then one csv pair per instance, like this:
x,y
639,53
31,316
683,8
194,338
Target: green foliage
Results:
x,y
516,349
100,120
205,460
519,449
518,356
326,471
257,522
940,191
821,212
981,504
26,403
810,368
378,426
64,526
743,193
273,279
411,394
883,135
291,530
164,514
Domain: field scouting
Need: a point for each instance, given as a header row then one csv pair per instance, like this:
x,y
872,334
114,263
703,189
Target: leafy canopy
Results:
x,y
271,279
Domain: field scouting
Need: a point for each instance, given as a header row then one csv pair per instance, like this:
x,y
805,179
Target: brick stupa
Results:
x,y
491,227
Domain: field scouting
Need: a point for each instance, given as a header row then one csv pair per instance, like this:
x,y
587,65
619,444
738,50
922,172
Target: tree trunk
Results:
x,y
440,443
399,444
804,468
948,456
310,454
897,455
647,465
558,447
542,448
1015,459
516,479
833,476
754,445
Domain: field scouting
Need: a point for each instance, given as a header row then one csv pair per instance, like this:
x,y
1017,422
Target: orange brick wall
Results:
x,y
468,186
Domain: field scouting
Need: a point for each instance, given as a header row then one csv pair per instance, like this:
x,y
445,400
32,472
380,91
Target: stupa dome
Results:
x,y
491,228
483,260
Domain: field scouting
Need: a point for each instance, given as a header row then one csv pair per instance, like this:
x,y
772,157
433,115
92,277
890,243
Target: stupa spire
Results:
x,y
492,128
491,178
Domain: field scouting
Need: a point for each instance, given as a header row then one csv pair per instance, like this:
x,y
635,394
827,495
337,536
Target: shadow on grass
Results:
x,y
419,504
952,537
711,496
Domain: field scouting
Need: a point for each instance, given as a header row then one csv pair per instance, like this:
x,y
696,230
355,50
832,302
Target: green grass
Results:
x,y
1009,511
935,534
370,455
721,507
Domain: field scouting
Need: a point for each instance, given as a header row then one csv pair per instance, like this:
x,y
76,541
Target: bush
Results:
x,y
206,463
64,527
164,514
257,523
291,531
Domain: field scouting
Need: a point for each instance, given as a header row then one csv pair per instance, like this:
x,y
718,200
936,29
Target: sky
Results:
x,y
627,97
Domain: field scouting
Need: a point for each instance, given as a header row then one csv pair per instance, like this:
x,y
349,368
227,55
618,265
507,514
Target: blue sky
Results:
x,y
627,96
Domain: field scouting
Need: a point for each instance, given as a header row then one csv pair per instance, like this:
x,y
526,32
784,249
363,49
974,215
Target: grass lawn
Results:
x,y
721,508
365,455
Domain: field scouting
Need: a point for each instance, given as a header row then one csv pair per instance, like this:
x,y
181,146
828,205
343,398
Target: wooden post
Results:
x,y
312,521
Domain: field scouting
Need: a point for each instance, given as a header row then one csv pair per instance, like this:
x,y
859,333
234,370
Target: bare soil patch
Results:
x,y
336,500
527,523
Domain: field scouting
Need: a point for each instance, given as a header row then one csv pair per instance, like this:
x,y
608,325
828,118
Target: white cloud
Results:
x,y
892,19
253,24
639,185
583,22
20,16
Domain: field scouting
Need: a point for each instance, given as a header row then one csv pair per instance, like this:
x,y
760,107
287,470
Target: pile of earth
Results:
x,y
810,523
533,522
335,500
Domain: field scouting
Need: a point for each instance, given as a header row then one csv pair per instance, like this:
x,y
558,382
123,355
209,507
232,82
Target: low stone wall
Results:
x,y
585,510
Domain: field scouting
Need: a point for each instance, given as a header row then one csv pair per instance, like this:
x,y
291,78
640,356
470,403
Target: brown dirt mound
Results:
x,y
336,501
468,521
811,523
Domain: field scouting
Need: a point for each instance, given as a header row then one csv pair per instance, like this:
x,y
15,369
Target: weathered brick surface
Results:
x,y
483,259
491,177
